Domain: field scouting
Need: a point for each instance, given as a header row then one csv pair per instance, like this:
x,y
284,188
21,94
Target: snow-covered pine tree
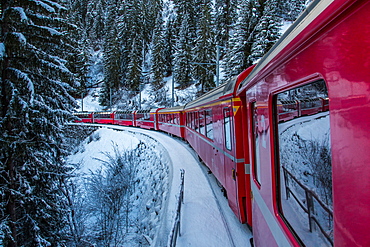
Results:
x,y
203,53
239,46
149,10
182,59
158,64
95,20
134,67
268,31
170,42
112,48
225,17
78,62
35,105
289,10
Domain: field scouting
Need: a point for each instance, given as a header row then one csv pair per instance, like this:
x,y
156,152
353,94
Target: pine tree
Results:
x,y
290,10
78,61
134,68
182,60
225,18
267,31
169,45
158,56
95,20
35,104
204,49
112,48
241,39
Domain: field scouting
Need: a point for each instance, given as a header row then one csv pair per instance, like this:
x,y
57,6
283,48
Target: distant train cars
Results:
x,y
103,117
125,118
288,139
171,120
289,109
84,117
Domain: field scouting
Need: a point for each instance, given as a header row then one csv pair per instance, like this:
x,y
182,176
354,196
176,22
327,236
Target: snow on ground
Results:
x,y
90,102
206,218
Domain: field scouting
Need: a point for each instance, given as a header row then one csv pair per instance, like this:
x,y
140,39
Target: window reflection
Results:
x,y
305,173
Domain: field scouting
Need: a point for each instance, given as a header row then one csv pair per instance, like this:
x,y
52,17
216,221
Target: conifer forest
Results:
x,y
46,49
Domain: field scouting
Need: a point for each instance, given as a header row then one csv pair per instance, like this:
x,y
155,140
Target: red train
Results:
x,y
288,138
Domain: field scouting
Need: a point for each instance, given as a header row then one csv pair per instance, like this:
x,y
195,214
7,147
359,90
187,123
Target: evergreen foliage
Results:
x,y
180,38
225,18
36,83
45,47
112,48
158,68
267,31
204,49
238,49
182,60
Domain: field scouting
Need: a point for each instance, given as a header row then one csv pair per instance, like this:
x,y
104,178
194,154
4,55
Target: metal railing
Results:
x,y
176,228
309,208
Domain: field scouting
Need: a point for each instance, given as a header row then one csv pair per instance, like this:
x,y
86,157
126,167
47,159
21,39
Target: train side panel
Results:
x,y
124,118
145,119
210,130
103,117
86,117
299,207
171,120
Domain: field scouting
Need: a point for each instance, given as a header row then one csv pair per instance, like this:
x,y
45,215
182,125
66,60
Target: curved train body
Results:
x,y
289,138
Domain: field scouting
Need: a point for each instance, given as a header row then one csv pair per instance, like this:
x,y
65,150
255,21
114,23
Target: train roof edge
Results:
x,y
301,23
225,90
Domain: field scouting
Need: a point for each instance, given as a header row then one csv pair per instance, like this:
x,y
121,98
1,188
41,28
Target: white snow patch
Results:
x,y
2,51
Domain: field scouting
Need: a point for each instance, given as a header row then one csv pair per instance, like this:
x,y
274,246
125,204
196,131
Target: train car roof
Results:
x,y
224,89
171,109
124,112
302,22
102,112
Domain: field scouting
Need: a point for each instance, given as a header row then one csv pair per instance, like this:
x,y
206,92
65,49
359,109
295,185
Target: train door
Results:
x,y
229,157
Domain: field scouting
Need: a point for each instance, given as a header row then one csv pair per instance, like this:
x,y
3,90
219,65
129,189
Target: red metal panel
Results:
x,y
333,47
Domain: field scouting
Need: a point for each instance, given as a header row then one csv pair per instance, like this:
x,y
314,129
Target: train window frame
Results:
x,y
196,122
256,159
201,123
283,192
228,142
208,120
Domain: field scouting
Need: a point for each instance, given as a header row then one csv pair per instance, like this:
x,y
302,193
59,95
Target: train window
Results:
x,y
227,128
304,174
257,132
196,121
209,124
192,120
202,126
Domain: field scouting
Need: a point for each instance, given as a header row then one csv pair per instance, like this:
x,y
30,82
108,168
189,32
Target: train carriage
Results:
x,y
308,173
124,118
213,129
85,117
171,120
103,117
146,119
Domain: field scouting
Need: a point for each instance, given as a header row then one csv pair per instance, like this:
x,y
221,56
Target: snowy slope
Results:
x,y
206,218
